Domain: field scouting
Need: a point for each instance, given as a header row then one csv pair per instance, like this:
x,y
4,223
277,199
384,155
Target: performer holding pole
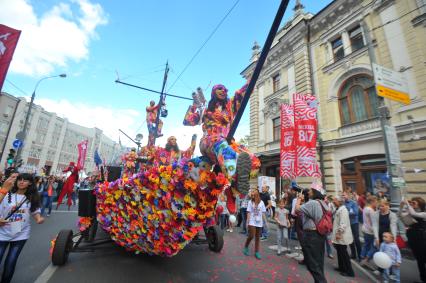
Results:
x,y
151,119
217,120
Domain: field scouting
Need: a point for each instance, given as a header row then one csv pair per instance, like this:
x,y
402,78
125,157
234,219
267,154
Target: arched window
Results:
x,y
358,100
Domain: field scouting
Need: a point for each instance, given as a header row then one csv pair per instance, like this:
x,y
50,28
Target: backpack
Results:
x,y
325,225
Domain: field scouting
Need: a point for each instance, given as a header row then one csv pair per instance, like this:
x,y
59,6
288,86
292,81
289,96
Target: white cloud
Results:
x,y
108,119
60,35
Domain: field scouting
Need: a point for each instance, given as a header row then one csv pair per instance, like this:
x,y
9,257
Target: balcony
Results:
x,y
359,127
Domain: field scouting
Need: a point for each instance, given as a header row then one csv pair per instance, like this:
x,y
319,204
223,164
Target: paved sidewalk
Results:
x,y
329,264
409,270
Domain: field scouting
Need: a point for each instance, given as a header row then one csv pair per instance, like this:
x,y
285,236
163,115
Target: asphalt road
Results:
x,y
110,263
193,264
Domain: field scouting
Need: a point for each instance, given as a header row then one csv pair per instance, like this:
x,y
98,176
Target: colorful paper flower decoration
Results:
x,y
160,210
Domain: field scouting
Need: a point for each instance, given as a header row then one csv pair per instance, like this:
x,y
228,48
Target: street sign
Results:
x,y
398,182
391,84
17,143
392,139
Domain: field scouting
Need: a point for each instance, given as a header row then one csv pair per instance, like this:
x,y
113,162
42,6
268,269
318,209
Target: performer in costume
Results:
x,y
175,153
68,187
217,120
151,118
130,163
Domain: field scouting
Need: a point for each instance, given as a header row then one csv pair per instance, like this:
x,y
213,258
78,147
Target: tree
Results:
x,y
244,141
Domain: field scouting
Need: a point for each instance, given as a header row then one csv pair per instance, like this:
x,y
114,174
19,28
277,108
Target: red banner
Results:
x,y
82,153
305,135
8,40
287,148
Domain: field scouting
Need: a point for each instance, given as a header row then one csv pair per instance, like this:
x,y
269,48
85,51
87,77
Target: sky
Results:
x,y
96,42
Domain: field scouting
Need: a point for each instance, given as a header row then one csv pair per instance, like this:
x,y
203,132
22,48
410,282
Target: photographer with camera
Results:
x,y
22,201
312,240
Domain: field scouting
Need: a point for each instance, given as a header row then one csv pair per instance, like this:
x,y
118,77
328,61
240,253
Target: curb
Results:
x,y
365,272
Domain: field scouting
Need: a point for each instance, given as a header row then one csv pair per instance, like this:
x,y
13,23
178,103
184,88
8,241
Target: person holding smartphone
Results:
x,y
19,199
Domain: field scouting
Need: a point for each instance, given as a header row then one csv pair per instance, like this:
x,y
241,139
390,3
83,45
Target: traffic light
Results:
x,y
11,156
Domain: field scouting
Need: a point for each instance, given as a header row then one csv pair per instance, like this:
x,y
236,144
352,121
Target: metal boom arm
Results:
x,y
259,66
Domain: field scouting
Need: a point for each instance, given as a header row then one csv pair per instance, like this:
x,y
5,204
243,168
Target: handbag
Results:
x,y
400,242
407,219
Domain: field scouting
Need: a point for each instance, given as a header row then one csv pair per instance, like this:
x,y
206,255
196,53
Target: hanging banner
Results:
x,y
305,135
8,40
82,153
287,147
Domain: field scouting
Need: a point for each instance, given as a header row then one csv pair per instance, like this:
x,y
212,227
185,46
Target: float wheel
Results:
x,y
215,238
62,248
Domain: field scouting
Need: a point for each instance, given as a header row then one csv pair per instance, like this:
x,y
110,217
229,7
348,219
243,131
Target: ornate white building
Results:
x,y
51,141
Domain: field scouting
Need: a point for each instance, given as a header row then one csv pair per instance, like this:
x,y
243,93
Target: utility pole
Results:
x,y
23,134
395,193
153,136
259,65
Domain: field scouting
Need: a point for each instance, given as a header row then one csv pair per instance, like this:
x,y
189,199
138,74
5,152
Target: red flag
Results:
x,y
287,147
8,40
305,138
82,152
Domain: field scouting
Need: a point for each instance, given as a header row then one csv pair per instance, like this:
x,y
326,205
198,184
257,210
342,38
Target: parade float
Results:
x,y
161,202
164,198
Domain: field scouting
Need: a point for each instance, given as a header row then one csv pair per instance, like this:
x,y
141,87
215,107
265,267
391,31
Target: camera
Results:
x,y
9,171
297,188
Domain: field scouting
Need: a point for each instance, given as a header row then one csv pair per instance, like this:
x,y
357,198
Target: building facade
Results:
x,y
51,141
328,54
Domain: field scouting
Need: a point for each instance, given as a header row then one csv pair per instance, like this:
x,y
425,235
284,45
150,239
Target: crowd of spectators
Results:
x,y
362,225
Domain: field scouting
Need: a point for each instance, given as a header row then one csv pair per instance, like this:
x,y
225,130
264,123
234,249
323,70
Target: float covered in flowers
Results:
x,y
159,210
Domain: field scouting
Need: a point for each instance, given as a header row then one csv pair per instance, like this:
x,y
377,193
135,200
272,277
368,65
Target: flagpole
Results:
x,y
280,189
294,140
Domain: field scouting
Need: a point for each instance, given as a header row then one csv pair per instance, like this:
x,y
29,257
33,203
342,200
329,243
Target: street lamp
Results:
x,y
22,134
138,139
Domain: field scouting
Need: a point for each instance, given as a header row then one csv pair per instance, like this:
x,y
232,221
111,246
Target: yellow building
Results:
x,y
327,54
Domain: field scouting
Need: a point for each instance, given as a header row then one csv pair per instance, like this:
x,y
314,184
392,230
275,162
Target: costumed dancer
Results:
x,y
68,187
130,163
151,120
175,153
234,160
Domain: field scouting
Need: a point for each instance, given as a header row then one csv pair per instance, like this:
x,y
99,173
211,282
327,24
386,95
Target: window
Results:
x,y
357,42
276,123
54,141
50,155
57,129
337,46
365,174
4,127
42,124
9,110
40,138
358,100
348,166
276,83
35,152
421,4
